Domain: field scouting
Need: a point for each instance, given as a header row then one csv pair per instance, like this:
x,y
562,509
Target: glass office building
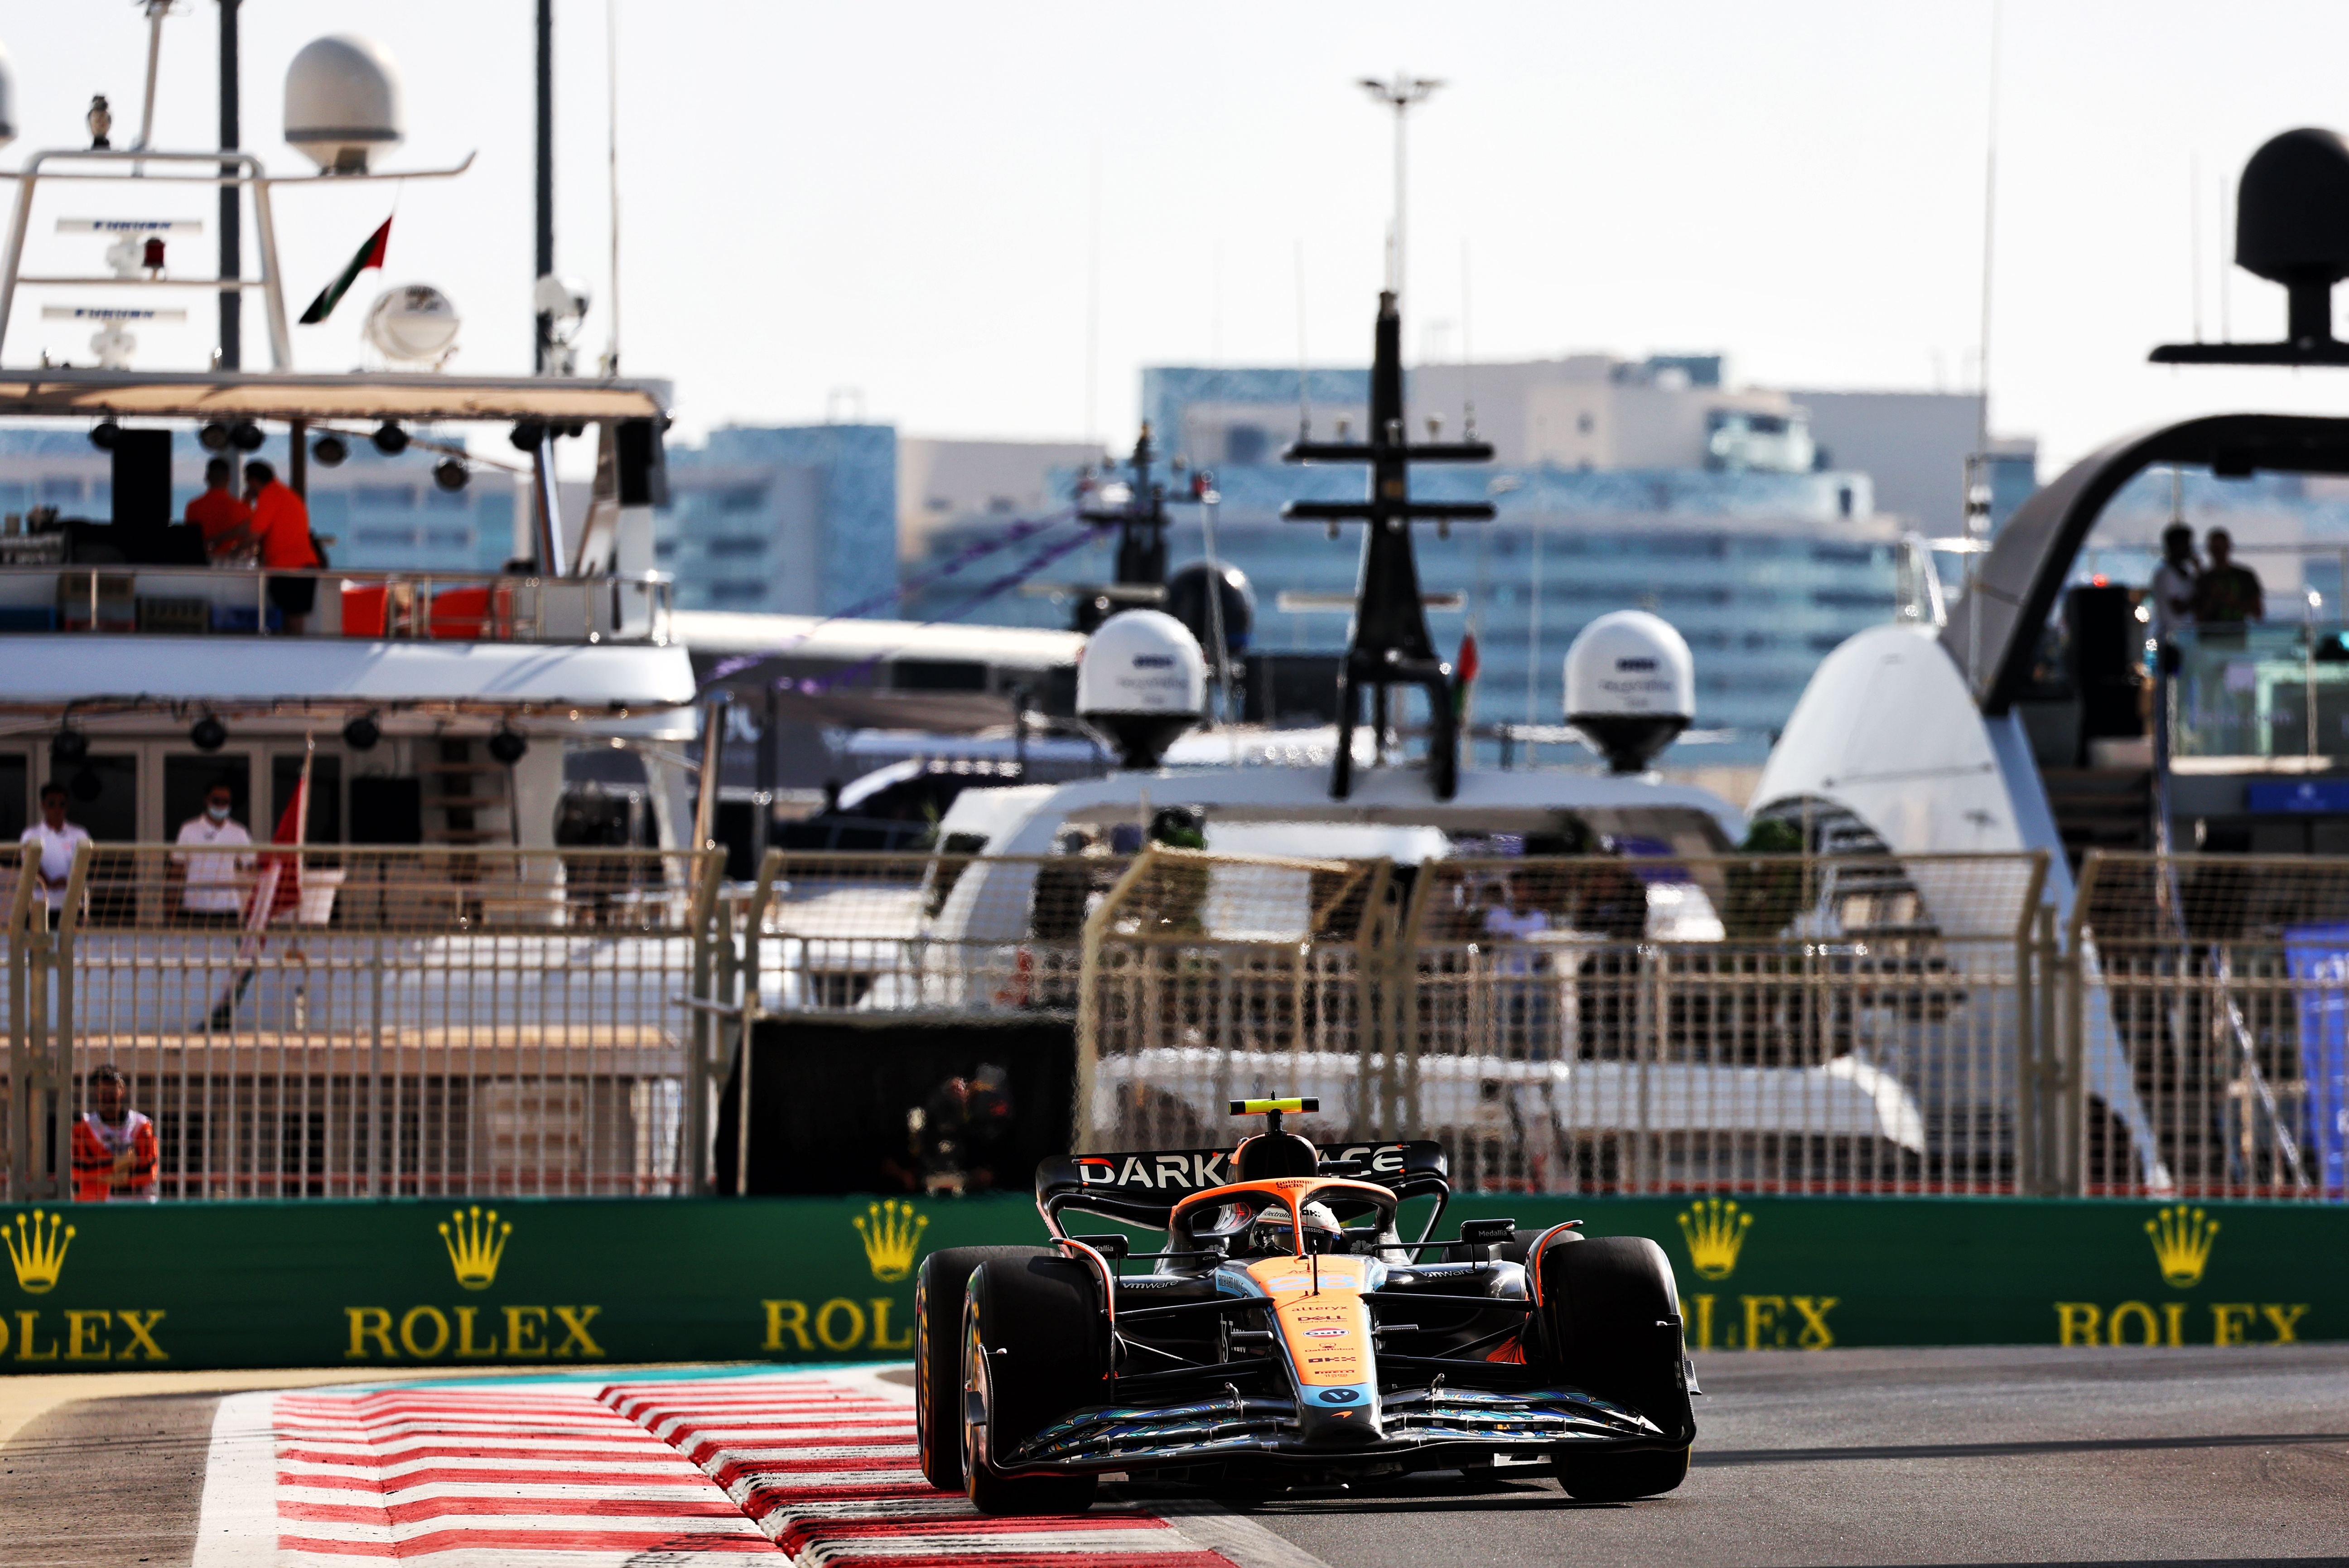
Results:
x,y
1763,573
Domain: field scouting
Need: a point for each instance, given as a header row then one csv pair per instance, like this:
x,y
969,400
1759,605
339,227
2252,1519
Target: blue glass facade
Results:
x,y
794,520
1763,573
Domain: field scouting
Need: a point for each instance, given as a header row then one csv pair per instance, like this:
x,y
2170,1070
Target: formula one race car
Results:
x,y
1288,1335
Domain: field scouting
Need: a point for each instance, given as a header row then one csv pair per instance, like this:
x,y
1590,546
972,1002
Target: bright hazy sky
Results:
x,y
905,199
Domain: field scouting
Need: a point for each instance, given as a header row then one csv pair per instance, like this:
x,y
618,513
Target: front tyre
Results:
x,y
1034,1348
937,1356
1613,1319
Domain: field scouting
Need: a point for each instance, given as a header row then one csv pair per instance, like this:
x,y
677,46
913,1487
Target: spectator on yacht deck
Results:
x,y
2172,591
2226,594
220,512
211,887
59,840
281,526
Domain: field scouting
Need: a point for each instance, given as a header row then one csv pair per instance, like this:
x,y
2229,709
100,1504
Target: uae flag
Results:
x,y
370,255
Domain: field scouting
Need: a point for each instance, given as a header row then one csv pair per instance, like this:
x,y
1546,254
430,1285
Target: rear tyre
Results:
x,y
937,1356
1035,1347
1613,1317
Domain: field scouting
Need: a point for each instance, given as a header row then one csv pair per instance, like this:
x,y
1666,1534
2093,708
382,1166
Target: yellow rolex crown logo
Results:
x,y
893,1233
1714,1231
2182,1239
475,1244
37,1254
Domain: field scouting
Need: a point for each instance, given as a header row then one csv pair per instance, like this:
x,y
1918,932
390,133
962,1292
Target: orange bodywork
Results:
x,y
1328,1331
1317,1302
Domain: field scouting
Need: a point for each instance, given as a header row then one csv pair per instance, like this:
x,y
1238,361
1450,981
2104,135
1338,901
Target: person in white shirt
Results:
x,y
59,840
212,886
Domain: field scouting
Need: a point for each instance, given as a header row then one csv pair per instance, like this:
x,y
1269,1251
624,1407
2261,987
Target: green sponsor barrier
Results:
x,y
574,1282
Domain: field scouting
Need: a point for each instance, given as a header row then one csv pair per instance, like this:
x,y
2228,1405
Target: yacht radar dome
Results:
x,y
1631,687
343,102
1141,683
414,323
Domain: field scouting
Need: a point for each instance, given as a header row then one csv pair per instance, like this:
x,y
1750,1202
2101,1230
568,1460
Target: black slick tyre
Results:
x,y
1613,1319
1035,1347
937,1356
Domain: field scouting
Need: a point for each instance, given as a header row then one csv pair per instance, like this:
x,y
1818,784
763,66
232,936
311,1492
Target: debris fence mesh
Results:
x,y
479,1021
362,1021
2213,1023
1585,1025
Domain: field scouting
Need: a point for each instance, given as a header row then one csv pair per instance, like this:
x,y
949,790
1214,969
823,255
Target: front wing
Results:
x,y
1422,1427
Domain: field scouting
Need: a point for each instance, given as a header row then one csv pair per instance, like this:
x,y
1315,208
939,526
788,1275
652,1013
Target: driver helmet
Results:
x,y
1272,1234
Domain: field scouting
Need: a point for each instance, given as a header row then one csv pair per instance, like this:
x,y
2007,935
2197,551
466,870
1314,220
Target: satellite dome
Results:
x,y
7,100
1186,601
1141,682
414,323
342,102
1631,687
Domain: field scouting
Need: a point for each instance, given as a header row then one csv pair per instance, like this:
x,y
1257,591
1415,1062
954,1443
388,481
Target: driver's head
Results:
x,y
1273,1234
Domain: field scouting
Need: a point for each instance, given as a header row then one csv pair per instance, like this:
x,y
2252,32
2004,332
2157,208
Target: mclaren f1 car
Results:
x,y
1288,1335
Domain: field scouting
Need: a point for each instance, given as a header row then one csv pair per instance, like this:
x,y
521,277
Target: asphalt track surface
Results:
x,y
1865,1456
2171,1456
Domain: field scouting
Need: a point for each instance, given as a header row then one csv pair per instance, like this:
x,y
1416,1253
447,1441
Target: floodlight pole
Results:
x,y
1400,94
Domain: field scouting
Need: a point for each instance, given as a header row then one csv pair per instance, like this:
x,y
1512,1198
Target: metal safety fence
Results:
x,y
355,1022
2210,1026
1600,1023
479,1021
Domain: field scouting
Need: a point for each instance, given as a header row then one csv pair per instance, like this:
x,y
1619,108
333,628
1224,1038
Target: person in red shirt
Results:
x,y
220,512
113,1146
281,527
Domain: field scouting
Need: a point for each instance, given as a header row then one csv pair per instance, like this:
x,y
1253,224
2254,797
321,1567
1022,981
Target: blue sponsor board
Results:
x,y
2318,958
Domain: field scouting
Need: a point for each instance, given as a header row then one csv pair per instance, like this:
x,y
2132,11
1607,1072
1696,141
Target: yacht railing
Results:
x,y
368,603
2272,689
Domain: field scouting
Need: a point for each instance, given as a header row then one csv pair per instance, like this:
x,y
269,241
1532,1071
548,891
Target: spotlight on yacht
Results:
x,y
102,435
213,437
362,734
450,473
330,450
389,438
245,436
508,744
208,734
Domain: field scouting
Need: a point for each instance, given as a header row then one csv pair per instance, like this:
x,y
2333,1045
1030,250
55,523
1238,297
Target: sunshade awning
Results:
x,y
101,672
415,398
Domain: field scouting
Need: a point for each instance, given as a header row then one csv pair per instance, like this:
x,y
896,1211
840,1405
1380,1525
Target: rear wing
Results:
x,y
1143,1186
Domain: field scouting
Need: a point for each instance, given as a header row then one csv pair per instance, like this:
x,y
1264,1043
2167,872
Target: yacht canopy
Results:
x,y
1996,640
417,397
98,672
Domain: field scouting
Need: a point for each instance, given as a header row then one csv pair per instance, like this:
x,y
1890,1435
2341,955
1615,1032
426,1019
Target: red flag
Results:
x,y
279,887
1464,666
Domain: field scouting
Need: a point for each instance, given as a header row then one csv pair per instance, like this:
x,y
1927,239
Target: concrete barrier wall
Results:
x,y
572,1282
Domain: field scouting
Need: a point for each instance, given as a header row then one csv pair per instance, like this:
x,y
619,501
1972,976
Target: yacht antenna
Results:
x,y
1140,520
544,355
1390,645
611,166
232,256
156,11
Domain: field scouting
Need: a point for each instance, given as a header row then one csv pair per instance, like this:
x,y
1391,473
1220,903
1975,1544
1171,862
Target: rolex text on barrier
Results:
x,y
577,1281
